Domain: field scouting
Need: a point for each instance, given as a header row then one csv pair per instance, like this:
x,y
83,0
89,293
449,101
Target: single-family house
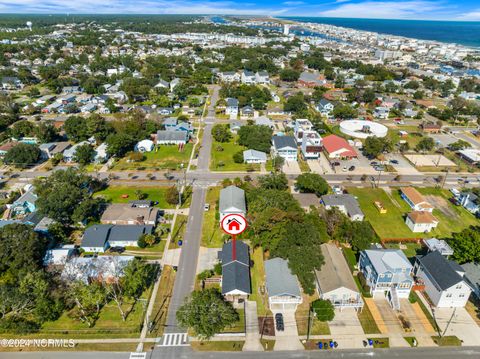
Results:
x,y
128,214
421,221
334,281
25,204
285,147
229,76
336,147
235,259
247,111
301,125
346,203
444,280
264,121
439,245
469,201
381,112
95,238
232,107
472,275
7,147
430,127
311,79
69,153
311,145
128,235
235,126
49,150
248,77
172,137
282,286
388,273
254,156
262,77
60,255
325,107
470,155
101,154
89,269
232,201
415,199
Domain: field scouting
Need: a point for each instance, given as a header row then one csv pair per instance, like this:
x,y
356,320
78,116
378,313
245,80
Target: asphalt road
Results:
x,y
187,353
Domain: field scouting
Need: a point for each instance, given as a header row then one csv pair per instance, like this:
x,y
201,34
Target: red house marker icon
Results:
x,y
233,224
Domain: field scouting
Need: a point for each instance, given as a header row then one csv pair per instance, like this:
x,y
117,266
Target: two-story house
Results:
x,y
311,145
387,272
444,280
232,107
248,77
285,147
301,126
325,107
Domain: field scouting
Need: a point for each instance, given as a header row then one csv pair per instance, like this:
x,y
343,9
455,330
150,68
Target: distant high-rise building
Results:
x,y
286,29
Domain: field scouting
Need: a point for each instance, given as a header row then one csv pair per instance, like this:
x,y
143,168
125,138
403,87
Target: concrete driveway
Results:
x,y
291,168
462,324
392,323
252,337
315,166
421,328
345,322
207,258
287,339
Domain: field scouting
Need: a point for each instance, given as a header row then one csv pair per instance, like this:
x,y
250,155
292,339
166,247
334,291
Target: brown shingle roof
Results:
x,y
415,196
422,217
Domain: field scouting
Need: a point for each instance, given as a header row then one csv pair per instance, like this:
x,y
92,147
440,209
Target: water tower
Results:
x,y
29,25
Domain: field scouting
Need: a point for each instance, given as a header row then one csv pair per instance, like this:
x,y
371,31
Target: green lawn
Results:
x,y
164,157
367,322
258,282
162,301
411,250
351,257
410,340
222,153
178,230
218,346
317,327
212,235
381,342
447,341
392,224
239,326
114,194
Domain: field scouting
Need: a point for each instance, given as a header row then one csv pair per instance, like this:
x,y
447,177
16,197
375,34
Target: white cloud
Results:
x,y
293,3
470,16
138,7
413,9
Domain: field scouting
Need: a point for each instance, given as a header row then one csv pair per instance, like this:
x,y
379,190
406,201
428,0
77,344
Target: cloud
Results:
x,y
293,3
413,9
470,16
138,7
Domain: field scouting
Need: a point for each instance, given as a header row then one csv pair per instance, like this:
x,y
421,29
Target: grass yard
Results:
x,y
351,257
165,157
258,283
239,326
162,301
301,316
223,160
412,249
218,346
304,167
267,344
178,230
381,342
366,320
447,341
410,340
114,194
392,224
212,235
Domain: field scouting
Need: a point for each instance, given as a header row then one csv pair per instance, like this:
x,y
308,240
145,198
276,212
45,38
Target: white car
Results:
x,y
206,207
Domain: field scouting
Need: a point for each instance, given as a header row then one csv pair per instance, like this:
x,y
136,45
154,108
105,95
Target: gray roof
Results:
x,y
232,102
443,272
284,141
242,254
126,233
254,154
29,196
279,279
232,197
347,200
172,136
472,274
334,273
236,276
96,236
387,260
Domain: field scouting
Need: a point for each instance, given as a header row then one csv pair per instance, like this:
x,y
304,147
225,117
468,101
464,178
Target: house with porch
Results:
x,y
388,273
235,259
285,147
282,286
415,199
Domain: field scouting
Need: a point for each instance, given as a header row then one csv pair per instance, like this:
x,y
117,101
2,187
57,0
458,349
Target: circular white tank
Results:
x,y
363,129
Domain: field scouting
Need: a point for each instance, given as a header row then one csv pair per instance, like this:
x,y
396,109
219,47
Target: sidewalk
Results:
x,y
252,338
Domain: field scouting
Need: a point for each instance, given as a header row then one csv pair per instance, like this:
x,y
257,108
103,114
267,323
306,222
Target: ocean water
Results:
x,y
460,32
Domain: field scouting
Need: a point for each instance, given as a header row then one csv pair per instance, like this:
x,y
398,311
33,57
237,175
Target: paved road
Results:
x,y
187,353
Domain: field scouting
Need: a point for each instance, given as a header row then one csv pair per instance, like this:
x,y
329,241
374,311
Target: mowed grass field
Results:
x,y
392,224
164,157
222,160
116,194
212,234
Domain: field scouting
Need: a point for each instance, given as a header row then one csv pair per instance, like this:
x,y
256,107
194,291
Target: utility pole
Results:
x,y
448,323
379,175
445,178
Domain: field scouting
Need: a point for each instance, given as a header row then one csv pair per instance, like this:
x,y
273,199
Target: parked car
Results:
x,y
351,168
374,163
344,169
206,207
117,249
395,162
279,322
335,163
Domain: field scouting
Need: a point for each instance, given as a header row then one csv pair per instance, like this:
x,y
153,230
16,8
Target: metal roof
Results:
x,y
232,197
279,279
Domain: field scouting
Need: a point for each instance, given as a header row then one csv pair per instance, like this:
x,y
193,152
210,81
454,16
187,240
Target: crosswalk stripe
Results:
x,y
174,340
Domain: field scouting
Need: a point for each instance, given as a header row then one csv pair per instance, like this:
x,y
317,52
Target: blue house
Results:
x,y
388,272
25,204
470,202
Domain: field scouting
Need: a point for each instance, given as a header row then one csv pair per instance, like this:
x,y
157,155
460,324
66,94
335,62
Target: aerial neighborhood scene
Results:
x,y
182,186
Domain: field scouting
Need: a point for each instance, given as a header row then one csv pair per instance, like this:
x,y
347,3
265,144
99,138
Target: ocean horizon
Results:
x,y
465,33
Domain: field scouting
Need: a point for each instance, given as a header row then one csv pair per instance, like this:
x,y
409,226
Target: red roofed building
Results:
x,y
338,147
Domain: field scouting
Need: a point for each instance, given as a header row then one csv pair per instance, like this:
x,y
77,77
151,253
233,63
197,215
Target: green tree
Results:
x,y
274,181
466,245
324,310
426,144
312,183
238,157
88,299
459,145
84,154
76,128
172,195
221,133
289,75
344,111
374,146
207,313
255,137
22,155
119,144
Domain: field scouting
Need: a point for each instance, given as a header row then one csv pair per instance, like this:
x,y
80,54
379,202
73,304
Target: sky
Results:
x,y
465,10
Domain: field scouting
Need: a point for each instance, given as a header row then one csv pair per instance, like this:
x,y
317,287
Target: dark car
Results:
x,y
336,164
351,168
395,162
279,322
373,163
117,249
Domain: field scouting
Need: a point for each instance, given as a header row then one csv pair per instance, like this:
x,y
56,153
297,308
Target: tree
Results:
x,y
296,104
46,132
172,195
84,154
312,183
88,299
344,111
255,137
289,75
76,128
324,310
221,133
137,277
238,157
375,146
459,145
207,313
278,162
119,144
22,155
466,245
426,144
274,181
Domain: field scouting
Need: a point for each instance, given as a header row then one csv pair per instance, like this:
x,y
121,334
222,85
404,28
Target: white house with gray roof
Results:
x,y
282,286
346,203
445,281
172,137
285,147
254,156
232,201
